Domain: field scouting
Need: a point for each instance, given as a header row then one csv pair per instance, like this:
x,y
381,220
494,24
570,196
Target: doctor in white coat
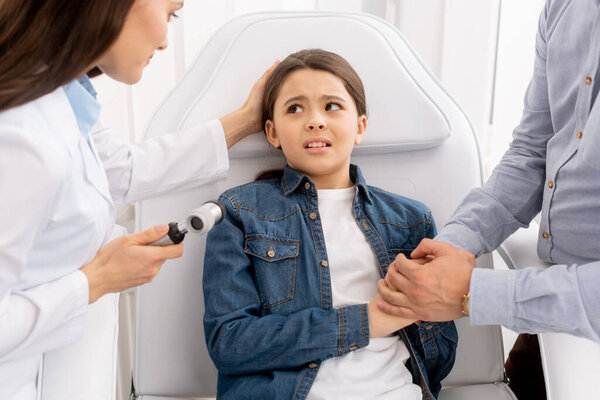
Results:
x,y
61,170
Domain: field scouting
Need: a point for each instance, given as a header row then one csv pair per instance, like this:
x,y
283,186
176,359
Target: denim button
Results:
x,y
545,235
307,186
579,134
550,185
353,347
312,215
324,263
588,81
312,365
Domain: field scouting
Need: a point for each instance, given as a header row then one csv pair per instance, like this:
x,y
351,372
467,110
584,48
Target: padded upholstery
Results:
x,y
419,144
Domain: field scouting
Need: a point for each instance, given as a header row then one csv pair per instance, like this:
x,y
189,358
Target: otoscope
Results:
x,y
199,222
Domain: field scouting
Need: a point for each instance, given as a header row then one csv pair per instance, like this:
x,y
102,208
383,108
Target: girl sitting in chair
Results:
x,y
290,275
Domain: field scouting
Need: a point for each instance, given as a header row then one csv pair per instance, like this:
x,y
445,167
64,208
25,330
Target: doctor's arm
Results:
x,y
50,315
191,157
39,317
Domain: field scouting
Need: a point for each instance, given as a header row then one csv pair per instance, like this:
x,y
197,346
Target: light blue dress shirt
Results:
x,y
552,165
82,96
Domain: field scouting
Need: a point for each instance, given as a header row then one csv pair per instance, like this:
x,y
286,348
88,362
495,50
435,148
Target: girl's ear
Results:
x,y
362,128
271,135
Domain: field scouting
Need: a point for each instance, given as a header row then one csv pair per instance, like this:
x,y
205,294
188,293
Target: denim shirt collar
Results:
x,y
82,97
292,179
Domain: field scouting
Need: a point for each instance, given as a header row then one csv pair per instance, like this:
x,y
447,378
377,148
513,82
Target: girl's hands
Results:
x,y
248,118
382,324
126,262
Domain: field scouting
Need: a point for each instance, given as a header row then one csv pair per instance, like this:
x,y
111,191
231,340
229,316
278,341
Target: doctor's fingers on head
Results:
x,y
254,102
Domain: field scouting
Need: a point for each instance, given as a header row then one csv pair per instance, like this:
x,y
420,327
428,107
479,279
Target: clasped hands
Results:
x,y
428,287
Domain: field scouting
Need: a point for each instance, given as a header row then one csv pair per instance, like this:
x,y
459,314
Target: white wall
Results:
x,y
516,49
481,50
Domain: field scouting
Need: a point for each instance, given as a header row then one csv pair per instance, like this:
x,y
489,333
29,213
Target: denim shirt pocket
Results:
x,y
274,262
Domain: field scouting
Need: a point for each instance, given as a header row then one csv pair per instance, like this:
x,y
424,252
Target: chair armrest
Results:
x,y
519,250
567,360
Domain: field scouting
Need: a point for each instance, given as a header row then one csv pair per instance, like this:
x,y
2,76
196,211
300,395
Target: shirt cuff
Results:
x,y
492,297
353,328
77,300
460,236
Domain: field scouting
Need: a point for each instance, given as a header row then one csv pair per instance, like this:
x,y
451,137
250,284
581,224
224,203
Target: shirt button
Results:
x,y
324,263
312,365
588,81
271,253
312,215
429,327
353,347
545,235
307,186
550,184
579,134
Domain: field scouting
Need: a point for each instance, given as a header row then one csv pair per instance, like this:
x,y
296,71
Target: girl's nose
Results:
x,y
316,126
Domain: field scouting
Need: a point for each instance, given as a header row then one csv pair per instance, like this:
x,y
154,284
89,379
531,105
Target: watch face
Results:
x,y
465,304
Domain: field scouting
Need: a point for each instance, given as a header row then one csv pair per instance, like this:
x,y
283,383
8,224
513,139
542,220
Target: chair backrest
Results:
x,y
419,144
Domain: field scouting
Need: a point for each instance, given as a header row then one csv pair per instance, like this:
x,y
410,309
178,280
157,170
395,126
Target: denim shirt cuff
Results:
x,y
492,297
353,328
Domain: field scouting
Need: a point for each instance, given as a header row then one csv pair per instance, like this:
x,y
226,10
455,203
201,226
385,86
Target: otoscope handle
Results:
x,y
175,235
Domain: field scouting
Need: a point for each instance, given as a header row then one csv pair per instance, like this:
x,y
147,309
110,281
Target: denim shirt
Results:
x,y
269,319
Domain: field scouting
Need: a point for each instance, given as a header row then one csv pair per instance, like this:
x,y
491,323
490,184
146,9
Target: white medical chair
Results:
x,y
419,144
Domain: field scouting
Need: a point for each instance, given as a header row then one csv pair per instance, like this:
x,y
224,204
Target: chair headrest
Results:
x,y
400,91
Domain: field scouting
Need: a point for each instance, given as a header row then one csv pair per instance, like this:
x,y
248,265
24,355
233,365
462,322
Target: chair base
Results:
x,y
490,391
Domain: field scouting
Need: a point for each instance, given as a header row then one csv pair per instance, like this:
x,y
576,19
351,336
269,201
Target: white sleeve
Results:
x,y
50,315
179,160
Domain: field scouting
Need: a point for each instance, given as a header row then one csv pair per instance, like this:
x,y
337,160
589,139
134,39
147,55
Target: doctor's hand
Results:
x,y
247,119
431,286
126,262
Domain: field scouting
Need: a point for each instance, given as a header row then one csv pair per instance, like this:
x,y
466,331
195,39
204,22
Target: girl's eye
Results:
x,y
332,107
294,108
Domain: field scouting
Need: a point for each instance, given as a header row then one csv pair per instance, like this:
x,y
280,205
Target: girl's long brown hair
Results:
x,y
318,59
44,44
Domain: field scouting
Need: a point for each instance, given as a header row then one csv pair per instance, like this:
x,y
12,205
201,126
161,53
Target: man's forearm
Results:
x,y
560,298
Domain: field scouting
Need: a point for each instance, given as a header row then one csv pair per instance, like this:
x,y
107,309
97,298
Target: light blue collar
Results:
x,y
82,96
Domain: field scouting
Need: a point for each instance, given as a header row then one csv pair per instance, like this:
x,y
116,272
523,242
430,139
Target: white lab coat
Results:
x,y
56,211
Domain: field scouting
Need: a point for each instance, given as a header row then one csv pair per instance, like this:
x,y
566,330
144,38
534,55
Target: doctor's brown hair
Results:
x,y
317,59
45,44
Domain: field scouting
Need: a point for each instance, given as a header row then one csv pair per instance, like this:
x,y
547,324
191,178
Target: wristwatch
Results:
x,y
465,304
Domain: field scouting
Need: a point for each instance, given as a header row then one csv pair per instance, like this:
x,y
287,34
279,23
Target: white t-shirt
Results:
x,y
377,371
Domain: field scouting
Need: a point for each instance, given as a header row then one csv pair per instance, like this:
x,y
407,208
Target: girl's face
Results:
x,y
316,124
144,32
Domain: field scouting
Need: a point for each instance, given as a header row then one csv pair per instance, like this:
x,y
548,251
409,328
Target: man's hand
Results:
x,y
430,287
